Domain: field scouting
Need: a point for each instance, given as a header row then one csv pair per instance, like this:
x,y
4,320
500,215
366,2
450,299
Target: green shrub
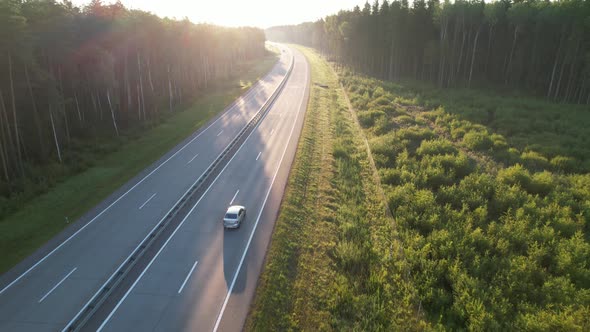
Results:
x,y
457,133
405,120
506,198
564,164
405,101
378,92
476,140
351,258
475,190
515,175
390,110
415,134
542,183
367,119
508,157
340,151
534,160
436,146
385,149
390,176
499,142
459,165
383,100
434,177
383,125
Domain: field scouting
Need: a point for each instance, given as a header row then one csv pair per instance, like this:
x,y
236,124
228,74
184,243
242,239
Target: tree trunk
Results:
x,y
582,88
54,134
138,103
555,64
571,74
15,119
473,56
556,93
112,113
67,124
3,137
4,163
509,67
93,98
150,74
461,53
441,70
78,107
169,89
4,115
127,85
489,51
99,104
63,106
35,114
141,86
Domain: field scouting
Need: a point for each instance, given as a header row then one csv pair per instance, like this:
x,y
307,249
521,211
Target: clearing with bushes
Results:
x,y
490,197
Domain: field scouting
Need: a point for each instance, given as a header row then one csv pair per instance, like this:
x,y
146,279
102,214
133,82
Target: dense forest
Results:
x,y
70,76
536,46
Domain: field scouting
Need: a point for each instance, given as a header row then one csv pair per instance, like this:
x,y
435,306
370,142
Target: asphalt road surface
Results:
x,y
204,277
194,278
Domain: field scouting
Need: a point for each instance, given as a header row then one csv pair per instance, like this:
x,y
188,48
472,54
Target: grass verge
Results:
x,y
333,262
41,218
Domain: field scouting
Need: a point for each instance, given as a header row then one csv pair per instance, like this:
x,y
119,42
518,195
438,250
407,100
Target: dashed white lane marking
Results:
x,y
149,199
193,158
187,276
258,156
219,133
236,195
57,285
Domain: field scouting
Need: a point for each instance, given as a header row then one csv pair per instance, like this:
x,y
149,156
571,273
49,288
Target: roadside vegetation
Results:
x,y
334,262
489,187
491,197
112,163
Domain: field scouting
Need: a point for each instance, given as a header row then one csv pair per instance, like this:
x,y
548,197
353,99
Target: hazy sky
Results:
x,y
260,13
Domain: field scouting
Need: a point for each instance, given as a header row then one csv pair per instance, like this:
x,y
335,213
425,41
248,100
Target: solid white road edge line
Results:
x,y
149,199
57,285
124,261
258,156
233,282
173,233
118,199
232,200
187,276
193,158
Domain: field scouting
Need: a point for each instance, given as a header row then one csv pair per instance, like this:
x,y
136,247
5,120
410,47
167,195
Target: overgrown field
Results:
x,y
36,215
491,198
334,262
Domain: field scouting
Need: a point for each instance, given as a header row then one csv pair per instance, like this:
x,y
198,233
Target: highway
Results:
x,y
50,289
204,277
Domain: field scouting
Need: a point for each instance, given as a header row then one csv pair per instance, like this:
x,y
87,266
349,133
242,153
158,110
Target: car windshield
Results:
x,y
231,216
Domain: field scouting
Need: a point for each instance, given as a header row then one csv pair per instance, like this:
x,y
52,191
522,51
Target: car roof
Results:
x,y
234,209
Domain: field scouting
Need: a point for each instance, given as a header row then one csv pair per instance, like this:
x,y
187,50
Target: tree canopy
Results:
x,y
71,75
534,45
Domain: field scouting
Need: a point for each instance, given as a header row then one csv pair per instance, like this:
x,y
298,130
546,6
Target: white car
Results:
x,y
234,216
